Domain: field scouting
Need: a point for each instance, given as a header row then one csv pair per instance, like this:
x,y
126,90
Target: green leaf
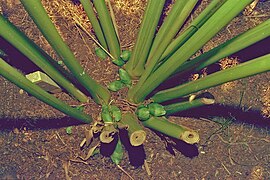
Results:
x,y
69,130
125,55
115,86
116,113
124,76
100,53
118,153
118,62
156,109
143,113
105,114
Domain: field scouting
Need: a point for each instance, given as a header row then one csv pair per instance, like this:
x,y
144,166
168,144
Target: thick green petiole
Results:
x,y
172,24
250,68
170,27
213,25
173,130
135,65
107,28
15,37
229,47
193,27
17,78
38,14
88,8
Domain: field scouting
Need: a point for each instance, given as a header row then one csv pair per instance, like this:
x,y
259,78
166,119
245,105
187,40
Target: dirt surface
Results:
x,y
234,133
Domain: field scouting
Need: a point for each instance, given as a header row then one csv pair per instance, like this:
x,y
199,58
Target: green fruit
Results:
x,y
124,76
125,55
100,53
105,114
115,86
156,109
116,113
143,113
118,62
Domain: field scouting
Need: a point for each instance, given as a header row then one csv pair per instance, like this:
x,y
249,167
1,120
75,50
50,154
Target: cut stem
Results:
x,y
250,68
173,130
38,14
136,133
20,41
22,82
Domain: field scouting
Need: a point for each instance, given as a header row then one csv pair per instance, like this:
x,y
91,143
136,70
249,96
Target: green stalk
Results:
x,y
135,65
173,130
43,22
250,68
136,133
210,28
170,27
108,28
231,46
193,27
174,21
182,106
88,8
15,37
17,78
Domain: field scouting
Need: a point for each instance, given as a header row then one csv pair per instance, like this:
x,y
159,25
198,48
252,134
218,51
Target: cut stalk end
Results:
x,y
190,137
136,133
137,138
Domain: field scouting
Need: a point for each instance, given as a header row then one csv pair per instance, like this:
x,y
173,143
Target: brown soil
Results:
x,y
235,142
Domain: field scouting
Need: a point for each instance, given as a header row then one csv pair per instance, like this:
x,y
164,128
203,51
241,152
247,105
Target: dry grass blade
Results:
x,y
113,18
108,29
90,152
88,8
125,172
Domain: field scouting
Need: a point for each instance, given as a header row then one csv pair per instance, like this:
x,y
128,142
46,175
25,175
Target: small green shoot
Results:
x,y
69,130
118,153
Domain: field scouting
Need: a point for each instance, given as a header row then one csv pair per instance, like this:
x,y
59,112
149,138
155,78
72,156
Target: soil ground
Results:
x,y
234,133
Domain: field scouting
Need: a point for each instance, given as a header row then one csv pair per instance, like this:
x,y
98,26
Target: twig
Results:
x,y
92,37
113,19
125,172
226,168
57,134
78,161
